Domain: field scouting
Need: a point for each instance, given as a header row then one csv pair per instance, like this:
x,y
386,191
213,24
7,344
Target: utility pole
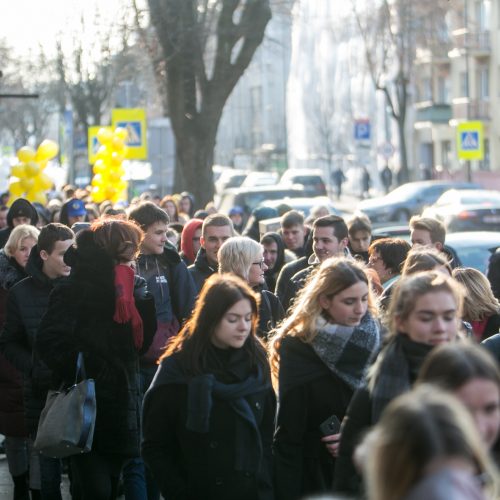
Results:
x,y
468,165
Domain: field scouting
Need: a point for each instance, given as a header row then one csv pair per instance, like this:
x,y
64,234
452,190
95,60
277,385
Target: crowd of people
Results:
x,y
310,360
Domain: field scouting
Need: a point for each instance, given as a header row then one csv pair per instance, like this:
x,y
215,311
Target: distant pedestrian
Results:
x,y
338,178
386,178
366,182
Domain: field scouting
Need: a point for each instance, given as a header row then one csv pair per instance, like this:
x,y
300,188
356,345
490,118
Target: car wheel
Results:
x,y
402,216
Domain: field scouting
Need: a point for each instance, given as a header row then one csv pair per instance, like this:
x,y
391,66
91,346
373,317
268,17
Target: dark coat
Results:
x,y
11,382
80,319
295,284
287,271
493,273
270,313
191,465
27,302
309,394
201,269
19,207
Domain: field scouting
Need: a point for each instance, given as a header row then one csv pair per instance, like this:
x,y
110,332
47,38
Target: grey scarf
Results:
x,y
345,350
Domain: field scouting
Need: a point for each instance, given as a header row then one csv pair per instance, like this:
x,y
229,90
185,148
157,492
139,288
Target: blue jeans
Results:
x,y
138,483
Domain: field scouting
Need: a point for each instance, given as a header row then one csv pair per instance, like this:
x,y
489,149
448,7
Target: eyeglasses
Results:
x,y
260,264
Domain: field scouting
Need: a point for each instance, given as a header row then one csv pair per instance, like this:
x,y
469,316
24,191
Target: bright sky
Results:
x,y
25,24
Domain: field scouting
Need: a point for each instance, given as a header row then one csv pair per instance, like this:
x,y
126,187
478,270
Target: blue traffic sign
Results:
x,y
362,130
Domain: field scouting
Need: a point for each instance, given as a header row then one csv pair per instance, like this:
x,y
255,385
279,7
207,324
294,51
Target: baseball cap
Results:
x,y
76,208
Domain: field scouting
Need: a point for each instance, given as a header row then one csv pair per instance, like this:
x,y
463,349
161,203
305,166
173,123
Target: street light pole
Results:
x,y
468,165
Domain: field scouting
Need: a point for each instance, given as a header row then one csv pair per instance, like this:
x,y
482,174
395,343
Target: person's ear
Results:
x,y
400,324
324,301
44,255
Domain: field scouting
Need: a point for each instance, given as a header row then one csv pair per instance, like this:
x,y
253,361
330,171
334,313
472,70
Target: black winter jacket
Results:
x,y
309,394
201,269
27,302
190,465
19,207
80,319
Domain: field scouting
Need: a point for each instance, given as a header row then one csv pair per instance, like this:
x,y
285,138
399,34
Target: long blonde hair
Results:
x,y
416,429
479,301
332,277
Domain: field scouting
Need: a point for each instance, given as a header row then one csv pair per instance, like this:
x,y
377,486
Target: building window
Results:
x,y
483,83
446,154
443,90
464,84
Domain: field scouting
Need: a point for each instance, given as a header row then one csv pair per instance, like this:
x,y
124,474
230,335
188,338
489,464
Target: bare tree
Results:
x,y
391,31
22,119
204,48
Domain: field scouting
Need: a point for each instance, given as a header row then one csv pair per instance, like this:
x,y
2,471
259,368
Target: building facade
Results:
x,y
458,80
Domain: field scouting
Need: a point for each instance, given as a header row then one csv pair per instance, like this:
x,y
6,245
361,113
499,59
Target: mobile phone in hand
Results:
x,y
330,426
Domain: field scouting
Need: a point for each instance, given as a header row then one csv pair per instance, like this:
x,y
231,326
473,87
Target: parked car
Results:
x,y
231,178
254,179
467,248
311,179
467,210
304,205
407,200
251,198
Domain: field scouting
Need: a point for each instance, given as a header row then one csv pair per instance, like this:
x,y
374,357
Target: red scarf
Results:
x,y
125,309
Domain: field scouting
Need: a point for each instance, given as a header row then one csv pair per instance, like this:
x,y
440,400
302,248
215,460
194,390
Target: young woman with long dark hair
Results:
x,y
209,413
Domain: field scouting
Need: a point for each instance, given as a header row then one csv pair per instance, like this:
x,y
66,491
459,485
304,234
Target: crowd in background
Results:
x,y
230,363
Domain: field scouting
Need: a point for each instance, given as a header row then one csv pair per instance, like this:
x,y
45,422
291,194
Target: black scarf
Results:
x,y
398,368
203,389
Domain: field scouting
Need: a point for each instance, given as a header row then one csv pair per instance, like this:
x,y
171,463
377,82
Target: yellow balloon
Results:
x,y
27,183
47,150
116,159
99,167
32,169
43,164
104,135
97,194
36,196
117,144
121,133
110,191
103,153
18,171
42,182
16,189
114,177
26,154
97,180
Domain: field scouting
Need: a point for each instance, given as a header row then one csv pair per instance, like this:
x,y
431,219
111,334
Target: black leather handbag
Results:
x,y
66,425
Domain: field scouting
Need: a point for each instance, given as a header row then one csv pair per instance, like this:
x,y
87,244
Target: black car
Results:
x,y
407,200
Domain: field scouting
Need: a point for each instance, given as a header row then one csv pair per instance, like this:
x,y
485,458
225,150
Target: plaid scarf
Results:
x,y
345,350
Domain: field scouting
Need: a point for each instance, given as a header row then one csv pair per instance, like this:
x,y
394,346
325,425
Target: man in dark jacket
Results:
x,y
216,229
274,257
330,239
26,304
174,292
20,212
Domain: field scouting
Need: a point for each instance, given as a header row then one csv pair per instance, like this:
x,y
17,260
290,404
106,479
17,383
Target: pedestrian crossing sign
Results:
x,y
134,121
470,141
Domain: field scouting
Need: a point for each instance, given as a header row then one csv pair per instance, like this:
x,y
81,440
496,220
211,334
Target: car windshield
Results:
x,y
405,192
481,199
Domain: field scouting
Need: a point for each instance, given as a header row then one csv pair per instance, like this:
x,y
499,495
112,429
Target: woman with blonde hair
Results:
x,y
244,257
481,307
319,355
426,446
424,312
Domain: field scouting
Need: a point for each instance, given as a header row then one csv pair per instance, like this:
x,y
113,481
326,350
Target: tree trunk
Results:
x,y
403,152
